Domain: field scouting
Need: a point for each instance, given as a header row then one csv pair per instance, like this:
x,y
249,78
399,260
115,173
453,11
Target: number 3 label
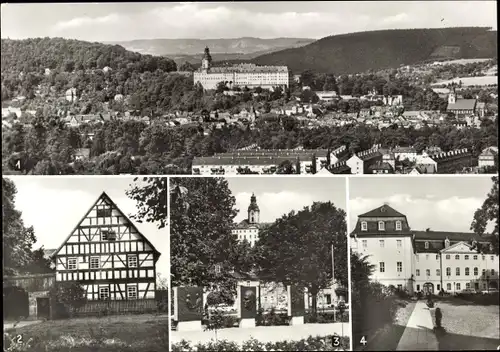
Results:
x,y
336,341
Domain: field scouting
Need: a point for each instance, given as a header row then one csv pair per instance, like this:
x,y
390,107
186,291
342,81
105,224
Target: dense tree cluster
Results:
x,y
18,239
362,51
136,148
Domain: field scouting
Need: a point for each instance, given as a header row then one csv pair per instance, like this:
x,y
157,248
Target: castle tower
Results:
x,y
206,60
253,210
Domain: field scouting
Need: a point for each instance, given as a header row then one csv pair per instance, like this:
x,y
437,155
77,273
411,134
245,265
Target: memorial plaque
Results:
x,y
189,303
297,305
248,302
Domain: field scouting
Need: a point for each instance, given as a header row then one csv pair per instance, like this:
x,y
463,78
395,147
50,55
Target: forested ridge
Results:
x,y
374,50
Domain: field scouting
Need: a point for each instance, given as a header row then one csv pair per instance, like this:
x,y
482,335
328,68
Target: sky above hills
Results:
x,y
128,21
446,203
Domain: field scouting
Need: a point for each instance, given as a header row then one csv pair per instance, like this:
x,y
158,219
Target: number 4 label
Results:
x,y
363,340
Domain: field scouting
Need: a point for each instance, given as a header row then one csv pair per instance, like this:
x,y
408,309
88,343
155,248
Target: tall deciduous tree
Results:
x,y
201,215
151,197
487,214
296,249
17,239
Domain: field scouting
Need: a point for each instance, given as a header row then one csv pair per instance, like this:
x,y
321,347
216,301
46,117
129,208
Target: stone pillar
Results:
x,y
33,311
247,306
188,308
296,305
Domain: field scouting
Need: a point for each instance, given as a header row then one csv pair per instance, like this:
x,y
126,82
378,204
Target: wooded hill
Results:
x,y
67,55
375,50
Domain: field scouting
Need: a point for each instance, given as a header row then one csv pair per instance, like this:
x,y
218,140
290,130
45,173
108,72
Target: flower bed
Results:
x,y
309,344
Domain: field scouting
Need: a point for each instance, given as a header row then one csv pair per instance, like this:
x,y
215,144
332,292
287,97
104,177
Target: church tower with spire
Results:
x,y
206,60
253,210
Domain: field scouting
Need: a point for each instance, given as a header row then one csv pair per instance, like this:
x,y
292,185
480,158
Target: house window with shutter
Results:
x,y
103,212
72,263
94,263
131,292
132,261
108,235
103,293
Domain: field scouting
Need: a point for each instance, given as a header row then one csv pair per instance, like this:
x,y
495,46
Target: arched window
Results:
x,y
426,244
466,257
457,257
467,272
398,225
448,271
364,226
381,226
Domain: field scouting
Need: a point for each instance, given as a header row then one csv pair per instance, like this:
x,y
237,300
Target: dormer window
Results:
x,y
364,226
398,225
426,245
381,226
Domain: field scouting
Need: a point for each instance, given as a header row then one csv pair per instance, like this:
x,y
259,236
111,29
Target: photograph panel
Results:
x,y
85,263
249,88
424,263
259,262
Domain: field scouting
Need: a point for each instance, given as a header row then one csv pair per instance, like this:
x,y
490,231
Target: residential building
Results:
x,y
326,95
454,161
265,161
381,168
110,258
487,157
242,75
402,153
428,261
71,95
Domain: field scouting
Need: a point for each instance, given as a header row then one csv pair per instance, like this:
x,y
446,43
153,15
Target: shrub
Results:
x,y
309,344
325,318
272,318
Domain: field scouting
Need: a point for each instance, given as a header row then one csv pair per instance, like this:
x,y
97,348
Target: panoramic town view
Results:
x,y
103,94
250,176
424,263
259,264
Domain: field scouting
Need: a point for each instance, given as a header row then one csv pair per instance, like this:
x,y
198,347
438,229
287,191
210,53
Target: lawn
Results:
x,y
387,338
471,81
115,333
469,326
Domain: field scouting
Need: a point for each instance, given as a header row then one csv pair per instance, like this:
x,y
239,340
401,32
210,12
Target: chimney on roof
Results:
x,y
427,229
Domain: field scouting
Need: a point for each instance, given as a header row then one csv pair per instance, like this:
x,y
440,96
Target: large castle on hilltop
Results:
x,y
241,75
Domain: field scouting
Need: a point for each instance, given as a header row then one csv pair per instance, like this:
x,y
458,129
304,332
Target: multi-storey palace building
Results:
x,y
243,75
108,255
428,261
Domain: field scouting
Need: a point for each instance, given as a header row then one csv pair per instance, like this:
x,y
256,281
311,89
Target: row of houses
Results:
x,y
375,160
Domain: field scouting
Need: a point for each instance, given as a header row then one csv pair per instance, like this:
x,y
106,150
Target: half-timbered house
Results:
x,y
109,257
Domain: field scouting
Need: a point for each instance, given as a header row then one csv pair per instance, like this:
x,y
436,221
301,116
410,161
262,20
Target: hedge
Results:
x,y
309,344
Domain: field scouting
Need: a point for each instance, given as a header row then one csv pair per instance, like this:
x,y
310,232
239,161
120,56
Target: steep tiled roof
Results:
x,y
382,211
463,104
436,240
